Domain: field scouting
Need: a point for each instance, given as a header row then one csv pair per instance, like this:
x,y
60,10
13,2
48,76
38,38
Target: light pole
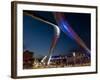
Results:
x,y
74,55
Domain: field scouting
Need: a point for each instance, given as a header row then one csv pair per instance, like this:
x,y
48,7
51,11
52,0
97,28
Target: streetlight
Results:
x,y
74,55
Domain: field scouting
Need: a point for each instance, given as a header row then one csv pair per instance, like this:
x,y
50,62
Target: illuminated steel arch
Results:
x,y
47,58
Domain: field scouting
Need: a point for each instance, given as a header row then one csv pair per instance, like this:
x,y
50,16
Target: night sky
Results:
x,y
37,36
